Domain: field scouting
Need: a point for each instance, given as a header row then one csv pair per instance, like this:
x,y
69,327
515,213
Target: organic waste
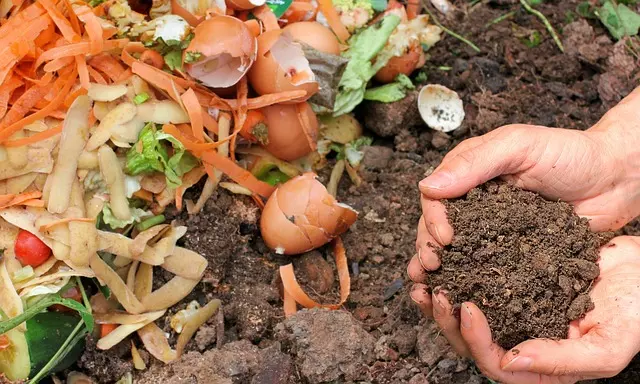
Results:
x,y
110,111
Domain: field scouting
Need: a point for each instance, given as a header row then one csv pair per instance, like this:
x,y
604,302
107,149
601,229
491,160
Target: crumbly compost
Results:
x,y
528,263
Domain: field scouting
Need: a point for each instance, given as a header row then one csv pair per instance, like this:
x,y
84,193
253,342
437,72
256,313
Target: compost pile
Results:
x,y
528,263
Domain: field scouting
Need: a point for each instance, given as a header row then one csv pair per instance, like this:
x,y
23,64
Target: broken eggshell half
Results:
x,y
281,66
440,107
221,52
292,130
244,5
301,216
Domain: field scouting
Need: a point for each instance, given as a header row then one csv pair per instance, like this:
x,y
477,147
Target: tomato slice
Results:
x,y
30,250
106,329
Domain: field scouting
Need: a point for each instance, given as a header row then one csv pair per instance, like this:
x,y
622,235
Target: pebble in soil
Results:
x,y
528,263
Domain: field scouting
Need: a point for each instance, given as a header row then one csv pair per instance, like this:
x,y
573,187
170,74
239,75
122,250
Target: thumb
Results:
x,y
590,356
504,153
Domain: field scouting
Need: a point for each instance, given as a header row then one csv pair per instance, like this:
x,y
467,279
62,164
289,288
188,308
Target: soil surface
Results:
x,y
528,263
380,337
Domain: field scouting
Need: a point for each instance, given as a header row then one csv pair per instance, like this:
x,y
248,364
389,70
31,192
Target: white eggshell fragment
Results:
x,y
440,107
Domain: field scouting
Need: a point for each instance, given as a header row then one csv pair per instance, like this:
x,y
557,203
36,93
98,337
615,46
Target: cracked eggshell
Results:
x,y
227,48
292,130
301,215
281,66
440,108
315,35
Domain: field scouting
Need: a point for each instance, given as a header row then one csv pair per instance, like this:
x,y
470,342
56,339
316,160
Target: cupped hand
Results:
x,y
599,345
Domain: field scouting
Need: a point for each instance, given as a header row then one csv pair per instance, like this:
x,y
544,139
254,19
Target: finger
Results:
x,y
425,247
448,323
416,271
421,296
590,356
463,146
487,354
436,220
504,153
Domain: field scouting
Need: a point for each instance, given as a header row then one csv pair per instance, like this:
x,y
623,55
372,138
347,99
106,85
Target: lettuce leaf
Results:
x,y
391,92
363,48
150,154
136,216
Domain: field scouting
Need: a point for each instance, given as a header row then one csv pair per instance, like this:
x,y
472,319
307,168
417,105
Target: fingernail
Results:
x,y
419,254
437,233
520,363
439,307
466,318
438,180
411,294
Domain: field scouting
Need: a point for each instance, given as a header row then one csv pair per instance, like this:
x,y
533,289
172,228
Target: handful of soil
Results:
x,y
528,263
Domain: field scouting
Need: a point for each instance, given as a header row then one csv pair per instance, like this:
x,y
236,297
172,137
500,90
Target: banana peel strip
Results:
x,y
156,343
293,293
122,331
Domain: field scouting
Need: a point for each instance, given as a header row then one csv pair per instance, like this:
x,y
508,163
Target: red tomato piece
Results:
x,y
30,250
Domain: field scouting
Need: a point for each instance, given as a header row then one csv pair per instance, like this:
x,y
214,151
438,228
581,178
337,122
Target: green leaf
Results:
x,y
353,152
274,177
136,216
619,19
173,60
363,48
421,77
43,304
106,292
533,40
391,92
141,98
192,57
586,10
379,5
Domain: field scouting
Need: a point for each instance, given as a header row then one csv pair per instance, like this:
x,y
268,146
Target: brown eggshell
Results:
x,y
301,215
244,5
266,76
292,130
218,39
404,64
315,35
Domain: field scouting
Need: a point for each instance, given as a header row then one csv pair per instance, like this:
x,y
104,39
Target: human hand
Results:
x,y
599,345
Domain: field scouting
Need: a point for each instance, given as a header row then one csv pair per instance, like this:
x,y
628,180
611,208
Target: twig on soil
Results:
x,y
499,19
545,21
447,30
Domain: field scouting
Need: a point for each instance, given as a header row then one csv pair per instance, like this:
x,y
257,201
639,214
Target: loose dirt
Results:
x,y
528,263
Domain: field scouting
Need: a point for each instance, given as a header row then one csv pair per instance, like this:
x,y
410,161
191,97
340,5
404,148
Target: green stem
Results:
x,y
545,21
150,222
85,299
499,19
61,353
447,30
47,301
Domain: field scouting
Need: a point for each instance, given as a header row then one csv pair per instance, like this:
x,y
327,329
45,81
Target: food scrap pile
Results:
x,y
110,111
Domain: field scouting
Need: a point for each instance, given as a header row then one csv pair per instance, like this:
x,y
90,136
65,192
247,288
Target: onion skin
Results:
x,y
404,64
301,216
292,130
315,35
266,76
217,36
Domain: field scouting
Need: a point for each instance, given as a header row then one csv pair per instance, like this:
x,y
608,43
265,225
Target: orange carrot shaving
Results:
x,y
327,9
6,90
260,101
129,50
73,18
158,79
108,65
240,114
13,199
237,173
51,224
292,287
14,49
57,64
23,104
83,71
106,329
6,132
93,28
46,36
413,9
73,95
144,195
61,22
267,17
290,306
34,138
96,76
33,203
189,143
194,110
153,58
82,48
22,18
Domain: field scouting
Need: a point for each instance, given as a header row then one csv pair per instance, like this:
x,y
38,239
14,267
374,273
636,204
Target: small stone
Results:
x,y
420,378
402,374
377,259
386,239
376,157
404,339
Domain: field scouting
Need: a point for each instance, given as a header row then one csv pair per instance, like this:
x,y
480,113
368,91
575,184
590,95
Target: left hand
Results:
x,y
597,346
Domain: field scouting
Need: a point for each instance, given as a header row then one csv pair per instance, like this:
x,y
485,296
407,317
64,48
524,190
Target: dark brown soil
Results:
x,y
507,82
528,263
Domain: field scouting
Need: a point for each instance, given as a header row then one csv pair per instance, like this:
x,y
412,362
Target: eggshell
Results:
x,y
315,35
228,50
267,74
292,130
440,107
301,215
404,64
244,5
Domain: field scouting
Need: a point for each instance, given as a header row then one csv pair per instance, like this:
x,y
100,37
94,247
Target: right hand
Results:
x,y
596,171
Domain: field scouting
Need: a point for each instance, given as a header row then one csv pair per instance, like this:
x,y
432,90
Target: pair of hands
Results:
x,y
598,172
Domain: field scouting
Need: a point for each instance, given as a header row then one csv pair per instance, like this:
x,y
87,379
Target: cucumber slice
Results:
x,y
14,360
46,332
